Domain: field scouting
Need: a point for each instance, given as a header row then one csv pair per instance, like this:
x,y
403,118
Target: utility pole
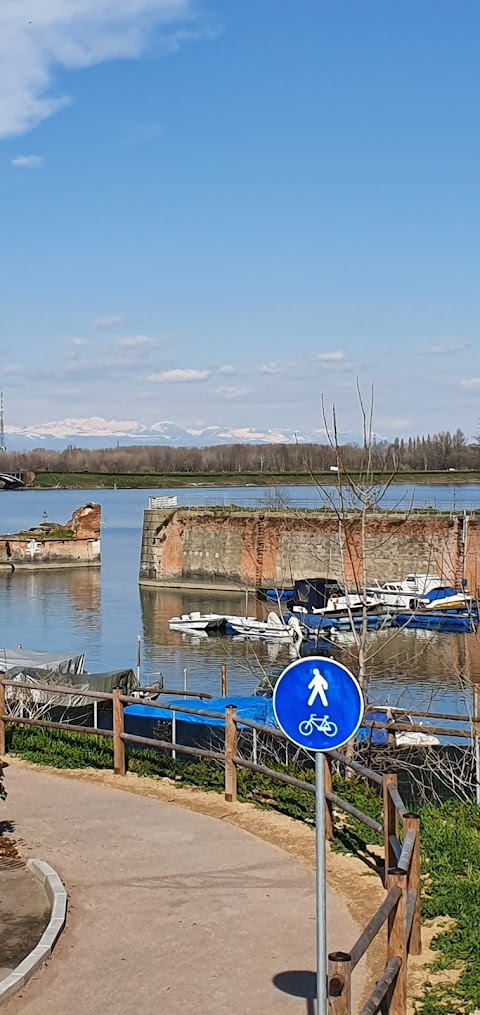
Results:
x,y
3,446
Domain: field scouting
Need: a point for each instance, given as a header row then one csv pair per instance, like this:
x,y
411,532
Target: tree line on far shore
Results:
x,y
440,451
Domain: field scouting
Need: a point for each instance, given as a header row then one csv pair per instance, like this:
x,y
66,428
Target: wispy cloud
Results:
x,y
227,369
272,368
37,38
178,376
232,392
27,161
106,323
445,349
140,133
139,342
78,343
330,357
11,369
471,383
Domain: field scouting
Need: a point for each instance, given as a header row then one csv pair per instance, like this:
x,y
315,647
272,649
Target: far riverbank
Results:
x,y
166,481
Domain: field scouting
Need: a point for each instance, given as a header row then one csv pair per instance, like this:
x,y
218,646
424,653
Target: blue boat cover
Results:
x,y
375,736
441,593
248,707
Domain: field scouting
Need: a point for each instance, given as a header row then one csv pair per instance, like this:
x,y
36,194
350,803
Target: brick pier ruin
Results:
x,y
233,548
50,544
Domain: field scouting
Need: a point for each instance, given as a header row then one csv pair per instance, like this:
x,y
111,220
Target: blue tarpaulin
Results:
x,y
249,707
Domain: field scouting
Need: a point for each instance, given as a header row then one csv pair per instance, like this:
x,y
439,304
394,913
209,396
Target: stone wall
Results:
x,y
76,544
231,549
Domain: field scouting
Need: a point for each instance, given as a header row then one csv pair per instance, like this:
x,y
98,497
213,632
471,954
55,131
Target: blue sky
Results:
x,y
215,211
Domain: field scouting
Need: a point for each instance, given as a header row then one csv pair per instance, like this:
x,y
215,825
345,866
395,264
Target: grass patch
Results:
x,y
43,537
164,480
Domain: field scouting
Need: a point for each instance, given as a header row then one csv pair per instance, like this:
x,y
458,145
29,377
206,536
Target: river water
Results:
x,y
101,611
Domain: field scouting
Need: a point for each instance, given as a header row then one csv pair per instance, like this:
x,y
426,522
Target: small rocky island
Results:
x,y
51,544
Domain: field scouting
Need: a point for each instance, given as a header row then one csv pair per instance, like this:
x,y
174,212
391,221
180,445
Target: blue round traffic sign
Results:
x,y
318,703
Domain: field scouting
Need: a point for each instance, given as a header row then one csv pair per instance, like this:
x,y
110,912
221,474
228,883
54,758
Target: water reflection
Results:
x,y
171,651
49,610
419,668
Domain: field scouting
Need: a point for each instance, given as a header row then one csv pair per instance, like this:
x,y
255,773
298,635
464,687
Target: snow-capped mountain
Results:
x,y
96,432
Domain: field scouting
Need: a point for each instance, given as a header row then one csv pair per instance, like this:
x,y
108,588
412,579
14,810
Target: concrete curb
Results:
x,y
57,898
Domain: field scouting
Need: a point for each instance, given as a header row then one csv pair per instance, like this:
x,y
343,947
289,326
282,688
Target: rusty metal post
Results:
x,y
339,983
230,754
119,766
411,822
397,943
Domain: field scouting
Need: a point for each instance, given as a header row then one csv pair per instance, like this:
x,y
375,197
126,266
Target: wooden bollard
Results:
x,y
339,983
397,943
2,721
328,804
390,821
118,728
223,681
411,821
230,754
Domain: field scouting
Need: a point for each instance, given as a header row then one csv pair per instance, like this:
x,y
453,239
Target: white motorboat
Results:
x,y
404,594
447,598
197,622
339,606
273,628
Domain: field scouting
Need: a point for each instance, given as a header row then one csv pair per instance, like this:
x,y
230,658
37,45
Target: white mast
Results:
x,y
3,446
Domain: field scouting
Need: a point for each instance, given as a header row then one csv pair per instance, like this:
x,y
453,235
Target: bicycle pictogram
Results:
x,y
321,723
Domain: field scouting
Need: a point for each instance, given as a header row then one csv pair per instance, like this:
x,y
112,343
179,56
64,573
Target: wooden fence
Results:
x,y
400,909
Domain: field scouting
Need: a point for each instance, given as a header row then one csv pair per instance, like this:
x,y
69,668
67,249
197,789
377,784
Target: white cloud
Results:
x,y
272,368
137,342
177,376
471,383
78,343
105,323
227,369
233,392
447,349
37,38
330,357
28,161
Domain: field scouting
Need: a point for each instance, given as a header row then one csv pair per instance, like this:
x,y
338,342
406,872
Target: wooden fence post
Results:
x,y
328,803
223,681
411,821
118,728
230,752
339,983
397,943
390,821
2,722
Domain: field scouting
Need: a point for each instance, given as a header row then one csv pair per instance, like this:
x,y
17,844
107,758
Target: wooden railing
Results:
x,y
400,909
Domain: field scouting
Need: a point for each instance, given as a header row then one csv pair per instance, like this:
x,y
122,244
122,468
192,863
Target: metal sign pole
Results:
x,y
321,883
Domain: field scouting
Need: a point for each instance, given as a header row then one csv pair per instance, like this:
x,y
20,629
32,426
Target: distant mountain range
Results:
x,y
96,432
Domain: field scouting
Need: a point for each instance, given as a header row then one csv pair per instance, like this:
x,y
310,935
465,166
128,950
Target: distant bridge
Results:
x,y
16,480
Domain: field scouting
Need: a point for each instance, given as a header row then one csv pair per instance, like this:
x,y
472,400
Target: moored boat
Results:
x,y
197,621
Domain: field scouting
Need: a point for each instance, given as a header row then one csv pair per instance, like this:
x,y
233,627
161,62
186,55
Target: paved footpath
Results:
x,y
171,912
